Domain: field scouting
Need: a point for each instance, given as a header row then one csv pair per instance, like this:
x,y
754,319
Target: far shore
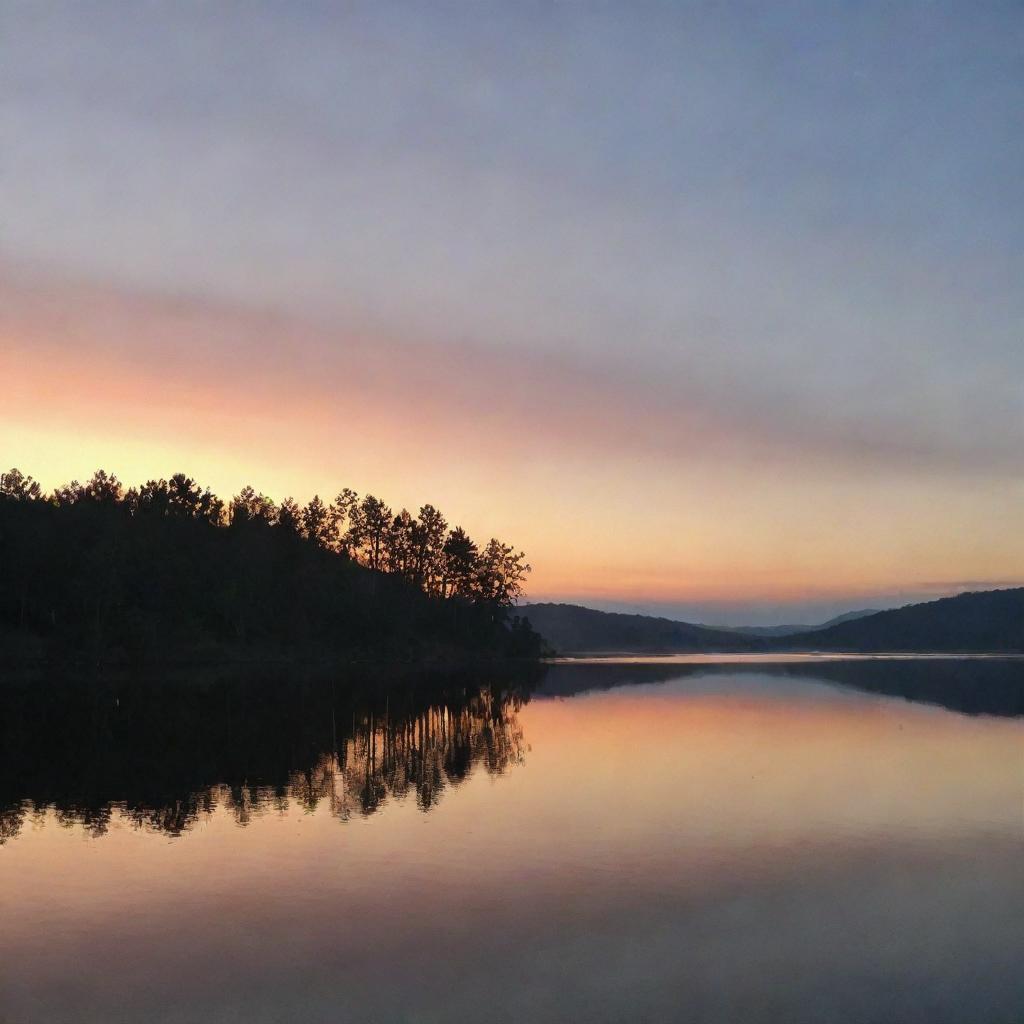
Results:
x,y
776,657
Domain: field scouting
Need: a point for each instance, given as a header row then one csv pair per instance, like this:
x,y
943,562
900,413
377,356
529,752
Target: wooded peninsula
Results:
x,y
168,572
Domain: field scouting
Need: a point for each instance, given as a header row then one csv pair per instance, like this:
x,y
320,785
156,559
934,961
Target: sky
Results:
x,y
713,309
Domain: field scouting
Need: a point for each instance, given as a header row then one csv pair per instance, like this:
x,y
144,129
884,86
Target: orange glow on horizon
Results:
x,y
556,467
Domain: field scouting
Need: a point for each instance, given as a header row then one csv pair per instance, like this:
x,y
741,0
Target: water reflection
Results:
x,y
714,844
971,686
164,755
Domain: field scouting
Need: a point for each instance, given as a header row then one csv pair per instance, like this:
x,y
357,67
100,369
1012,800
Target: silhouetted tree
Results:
x,y
93,570
458,565
341,509
249,507
399,546
152,498
21,558
500,574
103,489
289,517
369,522
429,550
15,486
319,523
187,500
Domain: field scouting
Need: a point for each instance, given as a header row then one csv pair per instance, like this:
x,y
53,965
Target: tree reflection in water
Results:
x,y
165,755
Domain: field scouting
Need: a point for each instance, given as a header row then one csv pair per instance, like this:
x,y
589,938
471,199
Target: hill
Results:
x,y
983,622
989,621
570,628
789,630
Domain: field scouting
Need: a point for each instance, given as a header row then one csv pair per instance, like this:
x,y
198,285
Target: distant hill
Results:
x,y
985,621
988,621
789,630
570,628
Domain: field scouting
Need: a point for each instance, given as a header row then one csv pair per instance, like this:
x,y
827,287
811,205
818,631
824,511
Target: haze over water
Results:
x,y
624,843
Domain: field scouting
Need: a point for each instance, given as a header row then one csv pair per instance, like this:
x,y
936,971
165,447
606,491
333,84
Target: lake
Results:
x,y
809,841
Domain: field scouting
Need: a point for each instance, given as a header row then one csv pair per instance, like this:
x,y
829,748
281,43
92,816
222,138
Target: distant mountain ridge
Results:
x,y
990,621
981,622
789,630
573,628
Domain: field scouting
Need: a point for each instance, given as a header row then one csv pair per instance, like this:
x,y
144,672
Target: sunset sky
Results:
x,y
715,312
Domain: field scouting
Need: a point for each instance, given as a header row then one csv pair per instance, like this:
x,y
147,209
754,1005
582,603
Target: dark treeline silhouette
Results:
x,y
164,753
168,571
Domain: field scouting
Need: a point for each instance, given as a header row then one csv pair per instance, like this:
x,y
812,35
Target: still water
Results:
x,y
838,842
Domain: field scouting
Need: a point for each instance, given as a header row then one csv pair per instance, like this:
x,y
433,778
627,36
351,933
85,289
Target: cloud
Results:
x,y
754,231
219,355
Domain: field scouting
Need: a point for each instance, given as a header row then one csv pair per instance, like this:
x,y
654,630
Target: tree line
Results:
x,y
349,572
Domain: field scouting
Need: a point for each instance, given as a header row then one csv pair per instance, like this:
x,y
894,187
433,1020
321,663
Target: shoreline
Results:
x,y
776,658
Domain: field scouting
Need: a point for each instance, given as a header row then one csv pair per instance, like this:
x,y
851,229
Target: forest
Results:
x,y
97,573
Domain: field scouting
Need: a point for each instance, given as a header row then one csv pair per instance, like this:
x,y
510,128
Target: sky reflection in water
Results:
x,y
705,844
